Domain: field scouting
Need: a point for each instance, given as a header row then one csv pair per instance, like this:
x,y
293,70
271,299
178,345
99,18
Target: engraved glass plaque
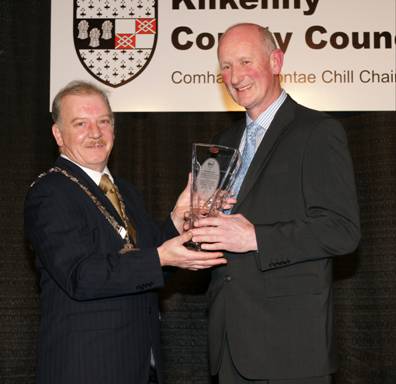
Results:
x,y
213,168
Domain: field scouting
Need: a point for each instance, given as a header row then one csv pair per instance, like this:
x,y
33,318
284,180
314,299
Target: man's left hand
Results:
x,y
232,233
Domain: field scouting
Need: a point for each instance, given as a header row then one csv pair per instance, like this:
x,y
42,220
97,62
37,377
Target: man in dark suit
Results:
x,y
99,255
271,306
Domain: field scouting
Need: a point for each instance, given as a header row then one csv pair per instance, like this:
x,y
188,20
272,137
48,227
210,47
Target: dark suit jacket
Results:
x,y
275,305
99,309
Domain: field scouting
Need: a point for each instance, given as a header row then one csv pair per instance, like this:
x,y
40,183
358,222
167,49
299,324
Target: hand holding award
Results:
x,y
213,172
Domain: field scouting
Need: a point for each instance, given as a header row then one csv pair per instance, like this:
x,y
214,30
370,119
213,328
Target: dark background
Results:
x,y
153,150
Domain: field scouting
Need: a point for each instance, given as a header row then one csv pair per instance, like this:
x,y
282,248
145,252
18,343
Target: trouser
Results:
x,y
152,376
229,374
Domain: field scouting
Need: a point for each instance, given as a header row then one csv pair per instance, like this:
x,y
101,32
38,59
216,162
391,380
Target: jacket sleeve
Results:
x,y
80,250
330,225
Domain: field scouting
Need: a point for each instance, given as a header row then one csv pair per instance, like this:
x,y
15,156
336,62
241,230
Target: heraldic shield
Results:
x,y
115,39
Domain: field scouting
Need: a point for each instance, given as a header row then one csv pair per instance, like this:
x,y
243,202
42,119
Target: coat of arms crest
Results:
x,y
115,39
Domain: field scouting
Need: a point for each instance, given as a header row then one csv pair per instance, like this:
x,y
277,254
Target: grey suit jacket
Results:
x,y
275,305
99,309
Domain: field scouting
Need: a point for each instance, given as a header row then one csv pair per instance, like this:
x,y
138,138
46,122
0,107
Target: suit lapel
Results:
x,y
84,179
277,128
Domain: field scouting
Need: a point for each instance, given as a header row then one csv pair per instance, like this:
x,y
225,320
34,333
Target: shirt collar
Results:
x,y
266,117
94,175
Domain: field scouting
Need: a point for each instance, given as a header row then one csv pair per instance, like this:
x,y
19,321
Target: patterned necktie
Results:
x,y
109,190
252,130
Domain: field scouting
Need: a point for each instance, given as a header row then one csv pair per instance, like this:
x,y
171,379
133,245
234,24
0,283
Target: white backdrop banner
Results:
x,y
161,55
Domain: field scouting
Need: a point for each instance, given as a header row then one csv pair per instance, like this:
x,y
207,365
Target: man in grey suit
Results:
x,y
271,315
99,255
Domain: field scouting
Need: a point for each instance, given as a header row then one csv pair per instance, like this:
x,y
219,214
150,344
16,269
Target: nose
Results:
x,y
236,75
94,130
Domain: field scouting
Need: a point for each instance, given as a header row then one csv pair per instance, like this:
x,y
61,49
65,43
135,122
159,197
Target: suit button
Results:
x,y
228,278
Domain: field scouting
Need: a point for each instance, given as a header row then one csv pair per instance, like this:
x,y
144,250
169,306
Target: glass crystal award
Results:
x,y
213,168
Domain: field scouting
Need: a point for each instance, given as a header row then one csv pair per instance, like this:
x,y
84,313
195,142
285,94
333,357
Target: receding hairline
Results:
x,y
78,88
266,35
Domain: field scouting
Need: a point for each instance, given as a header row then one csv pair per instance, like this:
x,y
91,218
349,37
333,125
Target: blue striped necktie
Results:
x,y
252,130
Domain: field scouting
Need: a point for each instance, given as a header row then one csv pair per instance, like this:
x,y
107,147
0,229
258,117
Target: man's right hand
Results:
x,y
174,253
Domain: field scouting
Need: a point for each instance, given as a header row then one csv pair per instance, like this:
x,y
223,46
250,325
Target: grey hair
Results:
x,y
78,88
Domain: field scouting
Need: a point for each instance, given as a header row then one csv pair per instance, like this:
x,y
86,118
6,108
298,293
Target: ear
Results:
x,y
276,61
56,132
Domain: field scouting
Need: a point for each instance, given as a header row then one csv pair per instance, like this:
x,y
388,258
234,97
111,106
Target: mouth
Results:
x,y
242,88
